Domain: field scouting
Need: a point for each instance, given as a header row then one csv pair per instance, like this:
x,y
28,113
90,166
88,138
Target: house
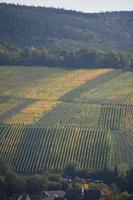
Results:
x,y
98,181
131,197
19,197
104,196
93,194
27,197
76,194
53,195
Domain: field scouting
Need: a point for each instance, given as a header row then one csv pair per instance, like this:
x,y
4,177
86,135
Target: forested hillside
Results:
x,y
61,29
57,37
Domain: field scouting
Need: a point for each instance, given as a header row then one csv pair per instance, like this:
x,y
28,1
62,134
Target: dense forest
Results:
x,y
62,29
83,58
57,37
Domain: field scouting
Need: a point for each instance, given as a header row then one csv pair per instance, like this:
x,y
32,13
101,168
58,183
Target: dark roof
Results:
x,y
16,196
52,194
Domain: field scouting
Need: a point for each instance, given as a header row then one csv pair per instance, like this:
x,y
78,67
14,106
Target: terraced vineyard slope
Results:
x,y
50,117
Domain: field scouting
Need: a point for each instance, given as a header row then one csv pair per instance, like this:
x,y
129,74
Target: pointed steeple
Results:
x,y
82,190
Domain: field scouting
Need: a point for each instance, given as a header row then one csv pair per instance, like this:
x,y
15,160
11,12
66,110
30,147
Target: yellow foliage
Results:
x,y
52,88
32,113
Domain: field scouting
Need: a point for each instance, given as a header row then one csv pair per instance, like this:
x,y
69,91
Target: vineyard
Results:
x,y
51,117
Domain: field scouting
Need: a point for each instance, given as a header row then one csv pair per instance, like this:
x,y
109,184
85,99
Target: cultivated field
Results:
x,y
50,117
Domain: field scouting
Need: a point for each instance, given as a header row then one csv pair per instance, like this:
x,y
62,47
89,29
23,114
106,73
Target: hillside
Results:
x,y
50,117
61,29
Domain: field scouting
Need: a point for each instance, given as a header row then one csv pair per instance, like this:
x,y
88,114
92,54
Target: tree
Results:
x,y
124,61
2,183
111,60
130,180
3,168
35,183
123,196
15,184
70,170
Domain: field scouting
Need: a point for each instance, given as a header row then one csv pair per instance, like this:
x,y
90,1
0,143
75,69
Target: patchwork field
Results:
x,y
50,117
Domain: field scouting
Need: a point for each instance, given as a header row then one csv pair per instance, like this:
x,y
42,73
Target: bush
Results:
x,y
2,183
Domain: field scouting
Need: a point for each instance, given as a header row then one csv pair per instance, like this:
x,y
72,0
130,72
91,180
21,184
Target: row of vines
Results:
x,y
33,149
83,117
